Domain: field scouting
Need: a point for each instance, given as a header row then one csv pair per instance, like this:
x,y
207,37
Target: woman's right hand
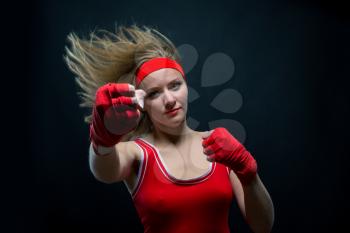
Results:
x,y
115,113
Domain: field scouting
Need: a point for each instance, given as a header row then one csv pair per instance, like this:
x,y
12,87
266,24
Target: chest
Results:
x,y
186,161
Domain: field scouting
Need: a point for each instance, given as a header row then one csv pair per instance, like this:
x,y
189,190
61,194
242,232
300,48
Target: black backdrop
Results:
x,y
291,68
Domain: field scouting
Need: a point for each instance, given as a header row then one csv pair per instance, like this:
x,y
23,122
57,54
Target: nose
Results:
x,y
169,100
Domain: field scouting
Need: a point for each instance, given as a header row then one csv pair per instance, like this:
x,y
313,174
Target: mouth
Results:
x,y
173,111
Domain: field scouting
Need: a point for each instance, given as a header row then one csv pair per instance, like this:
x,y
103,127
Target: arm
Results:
x,y
255,203
114,114
253,199
115,165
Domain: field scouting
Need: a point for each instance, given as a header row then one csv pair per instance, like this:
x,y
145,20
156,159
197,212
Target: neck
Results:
x,y
164,136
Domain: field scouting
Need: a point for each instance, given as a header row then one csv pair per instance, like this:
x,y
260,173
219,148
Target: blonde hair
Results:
x,y
114,57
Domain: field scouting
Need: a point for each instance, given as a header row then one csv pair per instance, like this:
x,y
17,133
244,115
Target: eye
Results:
x,y
152,94
176,84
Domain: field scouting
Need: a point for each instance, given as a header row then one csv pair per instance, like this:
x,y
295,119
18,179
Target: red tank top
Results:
x,y
166,204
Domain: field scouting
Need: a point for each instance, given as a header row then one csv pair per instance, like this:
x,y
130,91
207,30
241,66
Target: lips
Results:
x,y
172,110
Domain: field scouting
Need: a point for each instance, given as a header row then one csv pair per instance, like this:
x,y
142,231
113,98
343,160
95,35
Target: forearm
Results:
x,y
253,198
259,210
104,168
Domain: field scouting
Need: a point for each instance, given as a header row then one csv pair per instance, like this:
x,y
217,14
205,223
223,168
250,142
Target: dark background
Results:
x,y
291,67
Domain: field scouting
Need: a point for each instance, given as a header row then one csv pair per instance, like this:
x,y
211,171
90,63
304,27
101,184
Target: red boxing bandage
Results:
x,y
114,115
154,65
222,147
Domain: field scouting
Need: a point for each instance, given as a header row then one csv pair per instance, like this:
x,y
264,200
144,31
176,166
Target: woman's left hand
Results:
x,y
220,146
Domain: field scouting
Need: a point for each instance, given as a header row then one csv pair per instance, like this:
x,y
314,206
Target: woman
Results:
x,y
181,180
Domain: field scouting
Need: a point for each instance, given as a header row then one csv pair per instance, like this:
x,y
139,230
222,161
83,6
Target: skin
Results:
x,y
165,90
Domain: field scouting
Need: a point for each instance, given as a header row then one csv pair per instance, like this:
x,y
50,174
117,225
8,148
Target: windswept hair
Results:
x,y
114,57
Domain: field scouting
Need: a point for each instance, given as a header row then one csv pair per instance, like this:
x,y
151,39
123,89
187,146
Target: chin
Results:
x,y
172,124
179,122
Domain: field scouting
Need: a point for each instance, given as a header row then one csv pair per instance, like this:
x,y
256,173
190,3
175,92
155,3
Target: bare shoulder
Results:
x,y
129,149
200,134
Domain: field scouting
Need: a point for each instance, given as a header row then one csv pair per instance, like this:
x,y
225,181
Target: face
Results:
x,y
166,97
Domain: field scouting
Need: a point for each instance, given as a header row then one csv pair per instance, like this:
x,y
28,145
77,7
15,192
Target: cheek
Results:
x,y
184,96
153,109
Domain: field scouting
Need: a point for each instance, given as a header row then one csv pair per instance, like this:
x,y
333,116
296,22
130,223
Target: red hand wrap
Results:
x,y
222,147
113,115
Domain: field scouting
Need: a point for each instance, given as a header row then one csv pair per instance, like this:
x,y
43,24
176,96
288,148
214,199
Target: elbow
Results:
x,y
103,177
101,172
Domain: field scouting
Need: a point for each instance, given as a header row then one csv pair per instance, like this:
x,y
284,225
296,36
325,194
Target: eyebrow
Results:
x,y
152,88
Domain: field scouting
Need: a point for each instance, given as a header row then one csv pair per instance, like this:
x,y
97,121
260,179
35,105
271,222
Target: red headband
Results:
x,y
156,64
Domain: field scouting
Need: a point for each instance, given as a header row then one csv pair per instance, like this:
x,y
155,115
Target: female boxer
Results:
x,y
180,180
